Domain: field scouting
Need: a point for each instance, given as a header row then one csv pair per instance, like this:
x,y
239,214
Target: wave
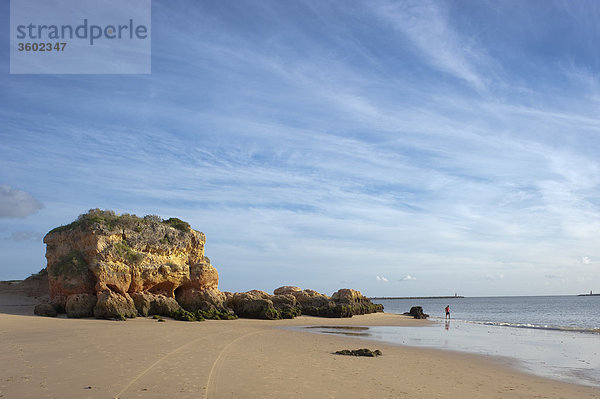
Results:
x,y
532,326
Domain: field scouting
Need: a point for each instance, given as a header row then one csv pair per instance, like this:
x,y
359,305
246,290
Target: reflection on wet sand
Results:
x,y
343,330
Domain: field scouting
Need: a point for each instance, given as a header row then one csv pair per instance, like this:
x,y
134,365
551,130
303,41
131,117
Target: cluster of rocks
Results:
x,y
120,266
288,302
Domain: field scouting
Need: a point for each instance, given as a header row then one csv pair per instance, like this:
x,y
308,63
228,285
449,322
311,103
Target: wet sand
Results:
x,y
142,358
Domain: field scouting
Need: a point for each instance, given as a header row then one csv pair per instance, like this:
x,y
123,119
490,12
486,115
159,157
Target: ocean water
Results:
x,y
570,313
555,336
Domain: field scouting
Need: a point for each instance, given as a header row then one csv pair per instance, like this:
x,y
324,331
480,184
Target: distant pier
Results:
x,y
422,297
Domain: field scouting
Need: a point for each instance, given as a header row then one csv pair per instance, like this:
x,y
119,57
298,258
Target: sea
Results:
x,y
551,336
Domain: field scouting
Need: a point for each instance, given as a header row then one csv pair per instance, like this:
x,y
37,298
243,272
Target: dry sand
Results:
x,y
142,358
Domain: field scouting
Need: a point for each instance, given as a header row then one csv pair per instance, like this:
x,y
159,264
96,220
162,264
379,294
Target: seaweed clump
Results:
x,y
359,352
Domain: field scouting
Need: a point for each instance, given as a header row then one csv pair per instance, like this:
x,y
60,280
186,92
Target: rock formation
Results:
x,y
115,266
288,302
119,266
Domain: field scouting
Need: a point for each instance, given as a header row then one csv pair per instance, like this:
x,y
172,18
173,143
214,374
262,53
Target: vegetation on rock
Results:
x,y
112,221
127,254
215,314
70,265
184,315
178,224
329,311
290,313
201,315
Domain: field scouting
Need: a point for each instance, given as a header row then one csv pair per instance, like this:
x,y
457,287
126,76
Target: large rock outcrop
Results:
x,y
118,266
126,265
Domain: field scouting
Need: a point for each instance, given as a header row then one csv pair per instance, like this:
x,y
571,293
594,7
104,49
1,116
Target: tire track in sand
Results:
x,y
174,351
215,371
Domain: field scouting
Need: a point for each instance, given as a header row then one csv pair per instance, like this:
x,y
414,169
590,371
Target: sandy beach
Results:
x,y
142,358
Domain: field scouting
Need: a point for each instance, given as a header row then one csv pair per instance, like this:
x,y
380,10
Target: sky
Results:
x,y
401,148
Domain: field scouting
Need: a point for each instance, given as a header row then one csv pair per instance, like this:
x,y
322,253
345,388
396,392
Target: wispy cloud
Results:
x,y
382,279
19,236
305,140
427,25
408,277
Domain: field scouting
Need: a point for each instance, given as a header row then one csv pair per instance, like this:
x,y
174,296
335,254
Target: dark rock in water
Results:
x,y
417,313
45,309
360,352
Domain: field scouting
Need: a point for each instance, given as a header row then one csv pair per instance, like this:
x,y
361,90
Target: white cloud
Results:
x,y
17,203
408,277
383,279
586,260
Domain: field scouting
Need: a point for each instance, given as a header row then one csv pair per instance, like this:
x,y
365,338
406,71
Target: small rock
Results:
x,y
45,309
360,352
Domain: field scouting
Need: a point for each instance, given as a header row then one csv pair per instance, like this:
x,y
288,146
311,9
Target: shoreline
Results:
x,y
61,357
532,352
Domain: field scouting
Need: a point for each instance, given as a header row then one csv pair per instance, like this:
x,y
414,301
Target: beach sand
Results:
x,y
142,358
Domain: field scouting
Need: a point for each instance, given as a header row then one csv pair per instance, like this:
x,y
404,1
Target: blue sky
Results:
x,y
395,147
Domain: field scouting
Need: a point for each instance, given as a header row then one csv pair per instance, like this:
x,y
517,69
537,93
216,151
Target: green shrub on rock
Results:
x,y
336,311
178,224
125,252
270,314
70,265
290,313
184,315
112,221
214,314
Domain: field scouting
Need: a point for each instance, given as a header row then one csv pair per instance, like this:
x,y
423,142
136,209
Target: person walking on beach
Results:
x,y
448,311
